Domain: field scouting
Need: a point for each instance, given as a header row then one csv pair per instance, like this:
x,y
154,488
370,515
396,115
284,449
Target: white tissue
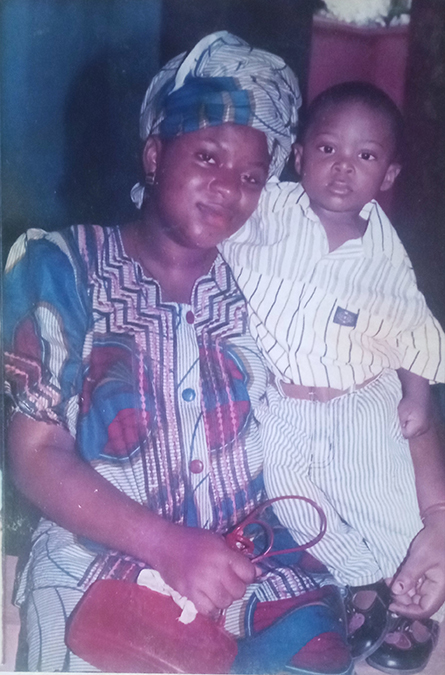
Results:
x,y
153,580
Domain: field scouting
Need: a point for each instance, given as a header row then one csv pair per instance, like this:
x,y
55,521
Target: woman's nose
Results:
x,y
226,182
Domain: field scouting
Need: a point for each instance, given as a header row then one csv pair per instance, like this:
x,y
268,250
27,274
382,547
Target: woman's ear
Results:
x,y
151,155
390,176
298,157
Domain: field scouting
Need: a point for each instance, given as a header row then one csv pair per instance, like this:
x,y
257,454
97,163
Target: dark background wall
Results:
x,y
420,198
73,76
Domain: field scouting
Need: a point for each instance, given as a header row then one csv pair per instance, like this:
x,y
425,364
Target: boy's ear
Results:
x,y
298,157
151,154
390,176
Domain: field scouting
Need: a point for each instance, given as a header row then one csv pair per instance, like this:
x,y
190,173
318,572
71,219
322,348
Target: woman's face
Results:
x,y
208,183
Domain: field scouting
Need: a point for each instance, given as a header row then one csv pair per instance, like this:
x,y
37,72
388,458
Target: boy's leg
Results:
x,y
374,490
300,460
349,456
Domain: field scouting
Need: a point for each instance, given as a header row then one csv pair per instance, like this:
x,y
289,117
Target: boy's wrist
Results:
x,y
413,386
433,511
419,403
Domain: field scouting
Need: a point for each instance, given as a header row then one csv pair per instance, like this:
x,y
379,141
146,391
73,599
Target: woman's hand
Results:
x,y
199,565
419,587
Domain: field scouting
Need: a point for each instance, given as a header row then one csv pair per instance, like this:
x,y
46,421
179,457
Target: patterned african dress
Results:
x,y
161,398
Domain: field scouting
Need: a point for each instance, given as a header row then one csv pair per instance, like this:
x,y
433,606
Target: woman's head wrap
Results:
x,y
221,80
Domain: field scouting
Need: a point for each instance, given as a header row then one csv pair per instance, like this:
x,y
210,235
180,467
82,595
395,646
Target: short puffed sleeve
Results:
x,y
46,319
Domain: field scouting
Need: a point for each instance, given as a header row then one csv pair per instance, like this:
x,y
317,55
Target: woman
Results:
x,y
135,382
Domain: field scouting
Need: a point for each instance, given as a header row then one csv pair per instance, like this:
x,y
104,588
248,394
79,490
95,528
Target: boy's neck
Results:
x,y
340,226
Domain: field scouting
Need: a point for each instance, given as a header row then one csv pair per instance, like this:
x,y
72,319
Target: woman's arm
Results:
x,y
419,587
197,563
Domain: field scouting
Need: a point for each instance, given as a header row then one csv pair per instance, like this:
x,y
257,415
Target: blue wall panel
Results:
x,y
73,76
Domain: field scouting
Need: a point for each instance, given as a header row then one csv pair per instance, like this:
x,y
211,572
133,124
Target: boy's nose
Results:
x,y
344,164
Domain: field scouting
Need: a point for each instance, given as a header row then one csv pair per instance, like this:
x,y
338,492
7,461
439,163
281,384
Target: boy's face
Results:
x,y
346,158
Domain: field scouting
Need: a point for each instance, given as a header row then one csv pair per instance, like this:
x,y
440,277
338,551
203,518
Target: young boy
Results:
x,y
336,311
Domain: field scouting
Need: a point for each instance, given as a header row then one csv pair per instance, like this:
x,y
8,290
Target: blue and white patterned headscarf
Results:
x,y
221,80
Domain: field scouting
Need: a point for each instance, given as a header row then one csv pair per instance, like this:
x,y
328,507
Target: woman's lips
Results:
x,y
215,210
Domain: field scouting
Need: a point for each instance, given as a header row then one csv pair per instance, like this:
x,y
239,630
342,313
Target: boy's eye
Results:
x,y
367,156
326,149
205,157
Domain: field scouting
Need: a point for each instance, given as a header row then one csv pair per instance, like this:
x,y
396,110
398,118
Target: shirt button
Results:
x,y
188,394
196,466
190,317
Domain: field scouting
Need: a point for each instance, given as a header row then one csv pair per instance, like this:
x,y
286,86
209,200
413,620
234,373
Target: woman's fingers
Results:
x,y
421,598
205,606
242,567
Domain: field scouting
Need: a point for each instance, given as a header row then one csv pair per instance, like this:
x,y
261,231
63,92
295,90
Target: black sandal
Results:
x,y
405,650
367,623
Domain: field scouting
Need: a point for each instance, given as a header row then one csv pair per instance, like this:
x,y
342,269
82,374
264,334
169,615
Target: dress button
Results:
x,y
190,317
188,394
196,466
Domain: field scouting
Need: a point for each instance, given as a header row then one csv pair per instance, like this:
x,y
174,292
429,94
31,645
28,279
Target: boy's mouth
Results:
x,y
339,187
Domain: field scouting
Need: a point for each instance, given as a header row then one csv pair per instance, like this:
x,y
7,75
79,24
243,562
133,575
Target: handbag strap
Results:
x,y
238,541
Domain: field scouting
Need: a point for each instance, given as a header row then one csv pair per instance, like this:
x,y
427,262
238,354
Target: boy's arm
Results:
x,y
415,410
419,587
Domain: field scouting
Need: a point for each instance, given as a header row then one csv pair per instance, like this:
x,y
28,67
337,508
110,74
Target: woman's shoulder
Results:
x,y
75,242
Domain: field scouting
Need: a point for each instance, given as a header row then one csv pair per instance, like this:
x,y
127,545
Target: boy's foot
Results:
x,y
368,617
407,646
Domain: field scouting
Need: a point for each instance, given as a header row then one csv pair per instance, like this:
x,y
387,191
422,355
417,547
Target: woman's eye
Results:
x,y
367,156
205,157
250,179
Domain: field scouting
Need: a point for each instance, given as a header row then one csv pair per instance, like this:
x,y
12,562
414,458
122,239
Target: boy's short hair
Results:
x,y
357,92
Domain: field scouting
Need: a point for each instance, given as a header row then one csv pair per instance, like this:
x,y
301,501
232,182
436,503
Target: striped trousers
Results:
x,y
348,455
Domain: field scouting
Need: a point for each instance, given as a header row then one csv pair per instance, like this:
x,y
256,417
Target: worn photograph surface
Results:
x,y
223,346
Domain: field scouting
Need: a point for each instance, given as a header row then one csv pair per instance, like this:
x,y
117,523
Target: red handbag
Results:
x,y
119,626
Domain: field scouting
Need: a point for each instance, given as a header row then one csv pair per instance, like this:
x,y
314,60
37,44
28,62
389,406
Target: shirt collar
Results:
x,y
370,244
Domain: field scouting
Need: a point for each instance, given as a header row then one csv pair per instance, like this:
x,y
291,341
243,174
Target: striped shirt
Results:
x,y
331,319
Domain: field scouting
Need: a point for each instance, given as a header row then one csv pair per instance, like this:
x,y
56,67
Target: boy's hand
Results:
x,y
199,565
415,408
415,416
419,587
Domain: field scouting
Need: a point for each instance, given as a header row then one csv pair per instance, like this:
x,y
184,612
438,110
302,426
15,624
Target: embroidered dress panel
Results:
x,y
161,397
335,318
138,356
